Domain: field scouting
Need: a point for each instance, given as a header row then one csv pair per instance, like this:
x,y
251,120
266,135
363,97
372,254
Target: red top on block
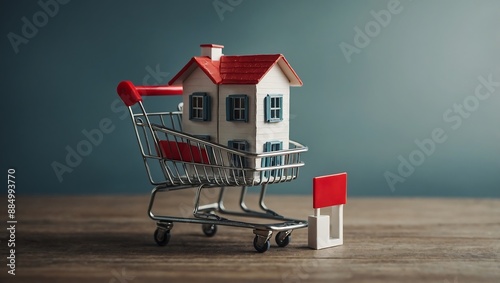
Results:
x,y
329,190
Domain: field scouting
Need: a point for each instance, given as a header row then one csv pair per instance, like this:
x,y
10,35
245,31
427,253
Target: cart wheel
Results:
x,y
261,248
209,229
283,242
162,237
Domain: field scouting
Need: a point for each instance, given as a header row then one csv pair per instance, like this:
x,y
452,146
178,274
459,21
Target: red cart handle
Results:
x,y
131,94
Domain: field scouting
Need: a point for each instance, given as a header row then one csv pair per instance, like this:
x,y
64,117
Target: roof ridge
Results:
x,y
237,69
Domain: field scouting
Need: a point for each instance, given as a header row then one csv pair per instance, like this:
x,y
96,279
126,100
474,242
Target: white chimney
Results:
x,y
214,51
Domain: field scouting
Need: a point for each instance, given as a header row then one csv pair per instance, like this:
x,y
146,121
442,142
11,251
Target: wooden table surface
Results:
x,y
109,239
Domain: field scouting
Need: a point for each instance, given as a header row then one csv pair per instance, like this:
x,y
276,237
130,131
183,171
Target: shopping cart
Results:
x,y
186,161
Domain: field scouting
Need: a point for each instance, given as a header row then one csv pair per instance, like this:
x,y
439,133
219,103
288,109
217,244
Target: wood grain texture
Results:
x,y
109,239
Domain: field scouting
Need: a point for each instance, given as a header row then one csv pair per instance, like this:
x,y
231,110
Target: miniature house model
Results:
x,y
239,101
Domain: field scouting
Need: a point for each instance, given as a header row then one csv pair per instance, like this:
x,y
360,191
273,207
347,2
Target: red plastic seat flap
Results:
x,y
182,151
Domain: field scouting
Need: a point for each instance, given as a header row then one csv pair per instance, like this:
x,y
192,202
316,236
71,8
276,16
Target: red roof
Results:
x,y
243,69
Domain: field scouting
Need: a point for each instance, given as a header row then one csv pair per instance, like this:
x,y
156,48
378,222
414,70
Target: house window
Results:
x,y
274,160
199,106
237,108
274,107
238,160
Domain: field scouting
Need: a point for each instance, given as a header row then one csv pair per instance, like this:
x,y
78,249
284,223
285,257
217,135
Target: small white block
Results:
x,y
318,231
321,229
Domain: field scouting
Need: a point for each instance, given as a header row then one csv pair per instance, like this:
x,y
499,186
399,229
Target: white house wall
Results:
x,y
274,82
199,82
237,130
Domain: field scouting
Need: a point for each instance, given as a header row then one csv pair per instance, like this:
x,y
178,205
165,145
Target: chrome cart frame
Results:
x,y
175,160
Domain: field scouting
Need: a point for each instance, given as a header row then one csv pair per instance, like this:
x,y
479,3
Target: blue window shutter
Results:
x,y
279,159
190,106
267,108
246,108
247,147
267,148
275,160
281,113
229,108
207,107
233,157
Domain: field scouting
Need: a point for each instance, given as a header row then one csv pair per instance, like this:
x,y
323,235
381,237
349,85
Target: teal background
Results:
x,y
357,117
